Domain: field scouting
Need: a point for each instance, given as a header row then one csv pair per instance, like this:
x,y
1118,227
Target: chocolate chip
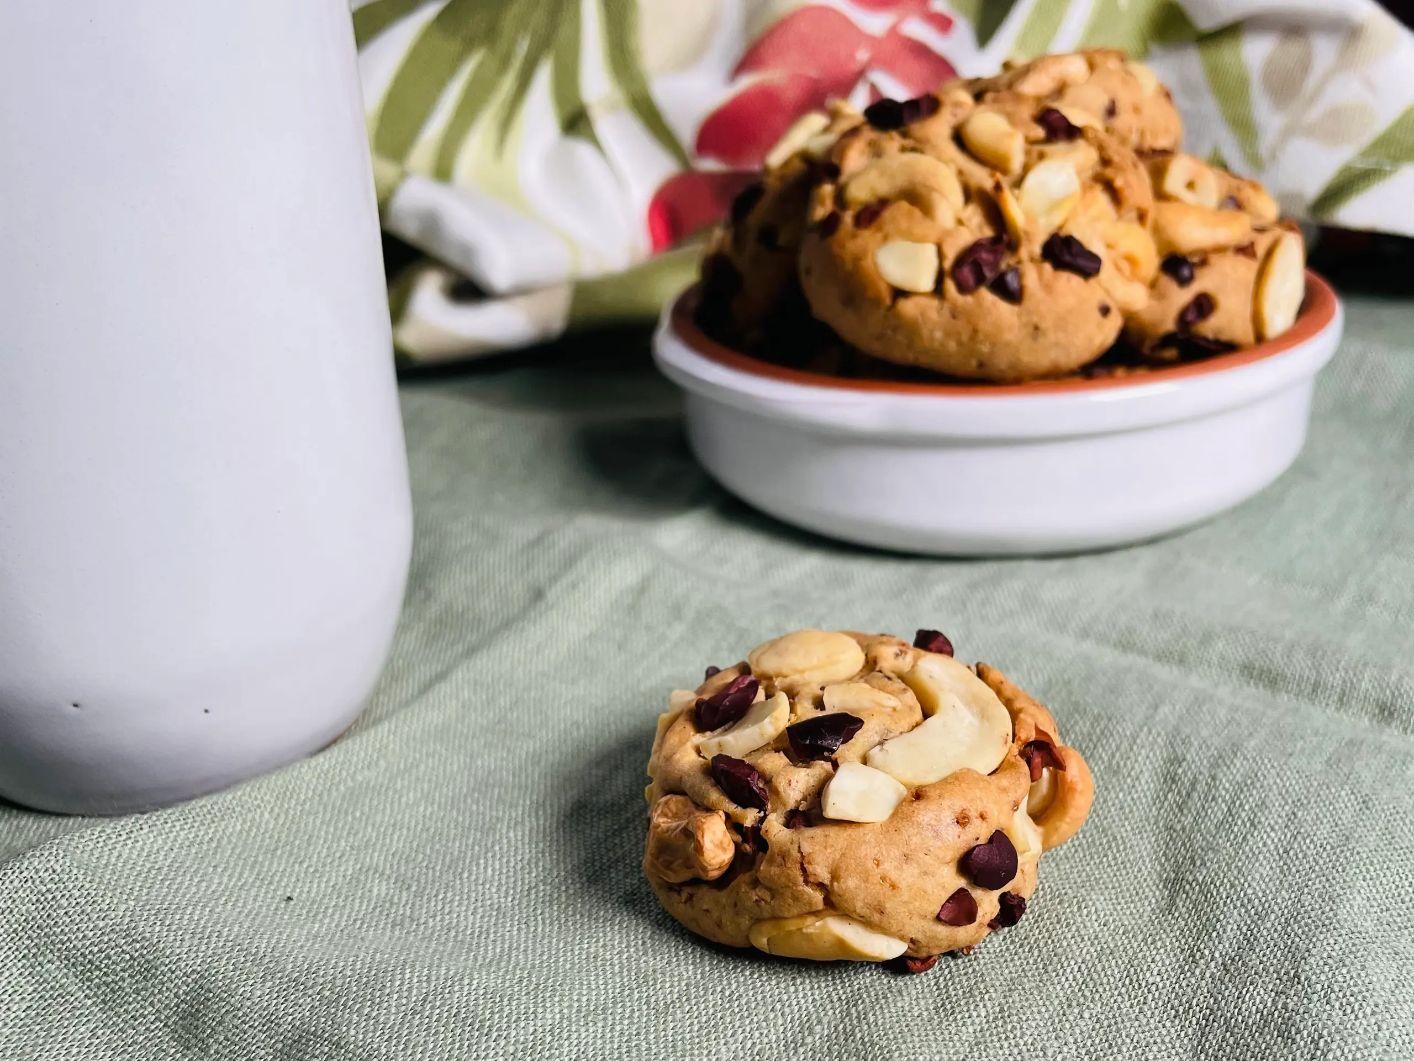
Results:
x,y
1111,109
919,107
1068,253
958,909
989,865
769,237
978,264
830,171
867,214
1230,203
743,783
913,965
1178,268
933,641
1104,309
745,200
1247,250
1041,753
1010,911
1200,308
884,114
727,705
1007,285
712,672
893,114
796,818
1056,125
829,224
820,737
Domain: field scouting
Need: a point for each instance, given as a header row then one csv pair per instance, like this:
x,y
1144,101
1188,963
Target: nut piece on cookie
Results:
x,y
686,842
798,848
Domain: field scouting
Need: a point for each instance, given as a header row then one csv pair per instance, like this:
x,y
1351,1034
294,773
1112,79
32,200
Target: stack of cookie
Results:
x,y
1006,229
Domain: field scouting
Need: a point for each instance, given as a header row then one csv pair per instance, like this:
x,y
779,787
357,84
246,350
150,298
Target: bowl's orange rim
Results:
x,y
1317,311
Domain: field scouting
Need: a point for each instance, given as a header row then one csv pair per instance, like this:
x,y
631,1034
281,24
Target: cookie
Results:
x,y
975,241
751,294
1230,273
845,796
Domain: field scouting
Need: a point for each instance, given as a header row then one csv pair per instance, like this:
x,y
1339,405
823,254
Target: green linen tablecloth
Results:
x,y
458,876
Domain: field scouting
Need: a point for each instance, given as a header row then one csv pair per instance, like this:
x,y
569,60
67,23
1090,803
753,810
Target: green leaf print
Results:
x,y
985,16
618,21
372,19
1381,158
1220,52
1039,29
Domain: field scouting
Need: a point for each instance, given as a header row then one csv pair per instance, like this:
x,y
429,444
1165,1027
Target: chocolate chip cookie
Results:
x,y
846,796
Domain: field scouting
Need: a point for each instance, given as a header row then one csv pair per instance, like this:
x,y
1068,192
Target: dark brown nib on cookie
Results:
x,y
933,641
1040,754
867,214
745,200
1200,308
712,672
820,737
1056,125
796,818
1009,912
829,224
978,264
727,705
958,909
888,114
1007,285
1193,346
1068,253
991,865
1178,268
742,782
1247,250
913,965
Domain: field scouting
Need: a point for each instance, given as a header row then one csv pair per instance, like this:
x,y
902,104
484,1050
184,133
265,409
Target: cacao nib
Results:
x,y
1104,309
727,705
1247,250
1193,346
1010,911
742,782
933,641
1056,125
829,224
918,965
1068,253
796,818
991,865
820,737
1178,268
1041,753
1200,308
712,672
1007,285
752,839
894,114
978,264
867,214
958,909
1111,109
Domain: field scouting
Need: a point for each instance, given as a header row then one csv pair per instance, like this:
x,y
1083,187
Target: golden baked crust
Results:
x,y
883,880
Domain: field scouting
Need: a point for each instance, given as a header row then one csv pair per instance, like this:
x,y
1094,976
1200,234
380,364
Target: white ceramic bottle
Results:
x,y
204,512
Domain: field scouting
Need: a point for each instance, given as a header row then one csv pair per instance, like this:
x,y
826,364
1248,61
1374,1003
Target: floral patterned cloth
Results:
x,y
554,158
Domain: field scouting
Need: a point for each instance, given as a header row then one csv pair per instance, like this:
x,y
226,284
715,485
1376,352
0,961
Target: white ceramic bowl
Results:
x,y
966,470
